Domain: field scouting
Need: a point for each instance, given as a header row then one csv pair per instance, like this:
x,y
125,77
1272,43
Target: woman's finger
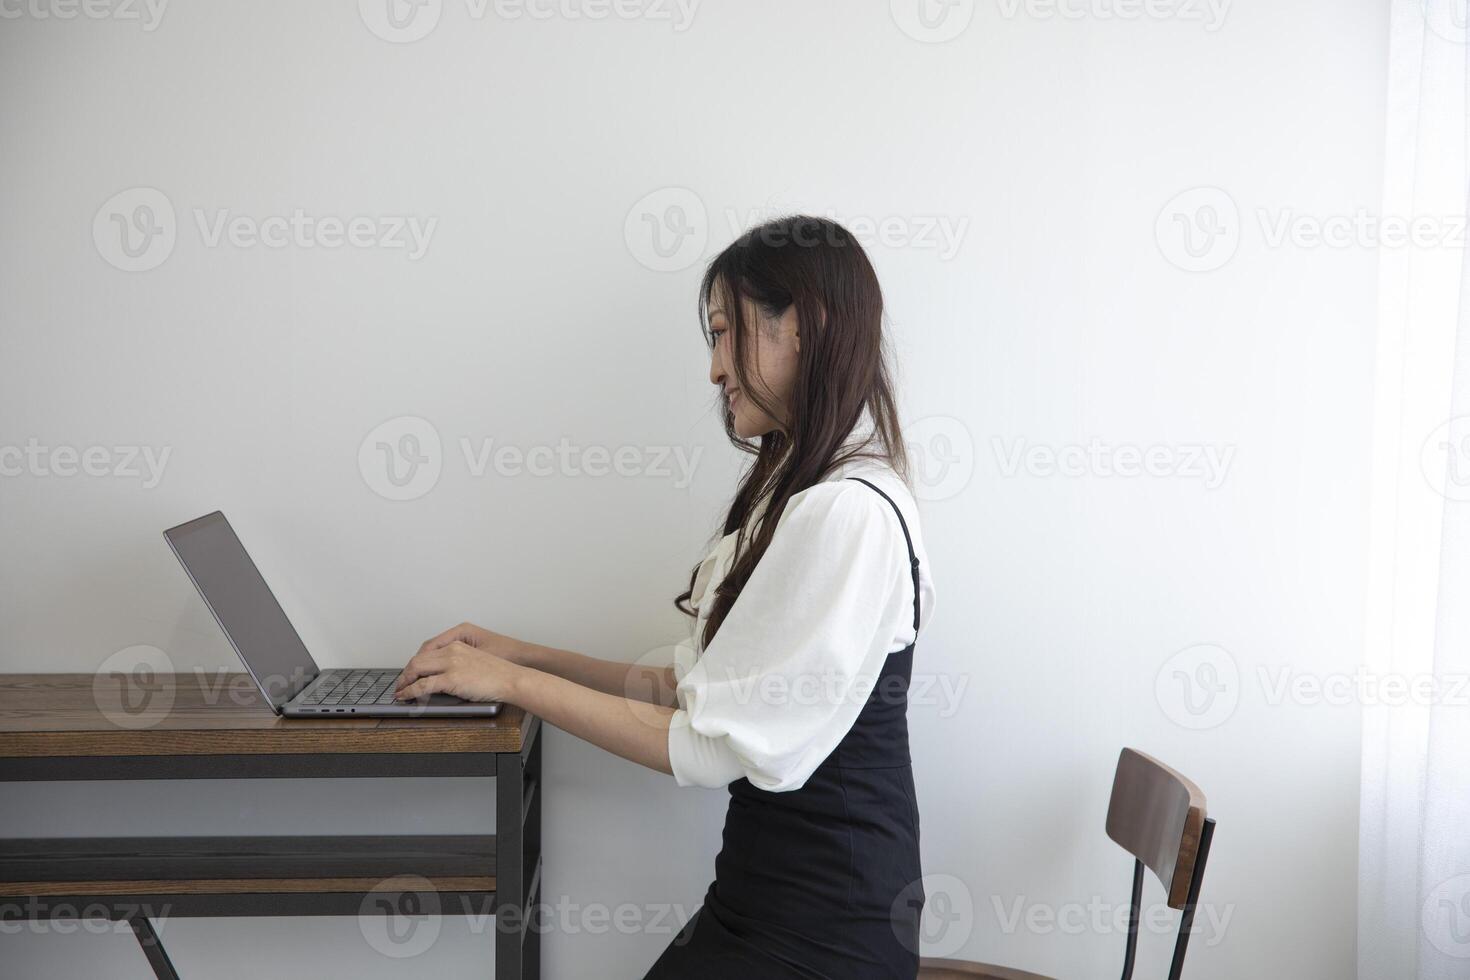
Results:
x,y
432,661
422,663
423,687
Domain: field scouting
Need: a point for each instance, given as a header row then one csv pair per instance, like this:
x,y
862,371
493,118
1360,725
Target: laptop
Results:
x,y
270,647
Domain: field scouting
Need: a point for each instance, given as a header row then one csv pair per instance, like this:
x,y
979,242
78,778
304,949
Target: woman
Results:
x,y
805,616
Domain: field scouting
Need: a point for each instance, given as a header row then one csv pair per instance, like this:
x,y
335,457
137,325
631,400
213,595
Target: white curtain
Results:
x,y
1414,860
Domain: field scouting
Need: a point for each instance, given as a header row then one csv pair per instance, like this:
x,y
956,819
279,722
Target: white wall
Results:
x,y
537,314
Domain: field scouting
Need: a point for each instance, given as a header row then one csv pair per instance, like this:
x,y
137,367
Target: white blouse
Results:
x,y
801,649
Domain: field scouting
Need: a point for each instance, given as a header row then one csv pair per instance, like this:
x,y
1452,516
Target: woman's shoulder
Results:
x,y
842,515
847,496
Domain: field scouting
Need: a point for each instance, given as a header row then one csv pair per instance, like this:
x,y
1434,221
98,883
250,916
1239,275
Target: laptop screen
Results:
x,y
243,605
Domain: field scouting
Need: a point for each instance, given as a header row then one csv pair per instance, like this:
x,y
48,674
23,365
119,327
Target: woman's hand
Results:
x,y
467,661
478,665
496,644
459,669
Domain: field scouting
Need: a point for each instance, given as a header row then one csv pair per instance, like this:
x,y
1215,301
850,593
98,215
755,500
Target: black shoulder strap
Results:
x,y
913,558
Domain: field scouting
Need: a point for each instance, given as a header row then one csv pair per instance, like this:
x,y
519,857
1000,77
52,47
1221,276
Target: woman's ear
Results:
x,y
791,321
821,323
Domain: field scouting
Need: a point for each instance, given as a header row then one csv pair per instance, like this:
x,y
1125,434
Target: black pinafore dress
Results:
x,y
821,882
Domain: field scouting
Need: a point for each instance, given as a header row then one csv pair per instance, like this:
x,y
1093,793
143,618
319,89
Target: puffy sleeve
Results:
x,y
794,661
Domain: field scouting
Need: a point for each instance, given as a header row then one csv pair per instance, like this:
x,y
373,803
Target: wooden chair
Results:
x,y
1156,815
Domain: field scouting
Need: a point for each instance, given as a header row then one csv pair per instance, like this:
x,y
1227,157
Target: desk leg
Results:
x,y
163,967
518,795
531,848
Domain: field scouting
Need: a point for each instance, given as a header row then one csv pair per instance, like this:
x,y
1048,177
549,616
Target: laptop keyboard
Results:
x,y
354,687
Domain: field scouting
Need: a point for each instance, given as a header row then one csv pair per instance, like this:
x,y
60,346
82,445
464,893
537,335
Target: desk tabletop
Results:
x,y
213,713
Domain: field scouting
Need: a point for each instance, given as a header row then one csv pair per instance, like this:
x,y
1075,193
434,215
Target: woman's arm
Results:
x,y
635,730
654,685
630,728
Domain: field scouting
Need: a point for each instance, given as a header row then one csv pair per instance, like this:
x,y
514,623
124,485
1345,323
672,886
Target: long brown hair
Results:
x,y
817,266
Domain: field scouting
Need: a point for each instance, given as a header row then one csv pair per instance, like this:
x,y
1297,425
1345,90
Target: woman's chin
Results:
x,y
746,429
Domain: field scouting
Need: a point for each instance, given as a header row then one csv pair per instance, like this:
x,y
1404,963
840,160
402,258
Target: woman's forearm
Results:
x,y
653,685
637,731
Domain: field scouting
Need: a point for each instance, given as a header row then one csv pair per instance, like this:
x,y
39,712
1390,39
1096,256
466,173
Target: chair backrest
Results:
x,y
1157,815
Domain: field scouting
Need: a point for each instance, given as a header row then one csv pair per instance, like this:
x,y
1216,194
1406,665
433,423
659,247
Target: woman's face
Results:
x,y
771,351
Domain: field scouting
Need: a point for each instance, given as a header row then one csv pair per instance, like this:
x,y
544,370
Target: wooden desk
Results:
x,y
216,726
